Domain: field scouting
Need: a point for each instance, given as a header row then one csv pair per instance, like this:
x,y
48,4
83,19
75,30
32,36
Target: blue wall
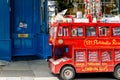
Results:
x,y
5,42
12,12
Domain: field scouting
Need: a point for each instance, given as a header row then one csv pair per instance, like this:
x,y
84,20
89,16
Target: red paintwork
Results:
x,y
98,44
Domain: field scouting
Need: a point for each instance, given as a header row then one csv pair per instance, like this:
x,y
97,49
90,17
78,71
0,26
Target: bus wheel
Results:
x,y
67,73
117,72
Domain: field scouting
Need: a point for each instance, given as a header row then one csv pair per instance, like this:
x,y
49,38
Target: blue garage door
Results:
x,y
25,26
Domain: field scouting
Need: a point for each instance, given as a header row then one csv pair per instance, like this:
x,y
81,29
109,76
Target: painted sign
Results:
x,y
79,64
112,42
92,66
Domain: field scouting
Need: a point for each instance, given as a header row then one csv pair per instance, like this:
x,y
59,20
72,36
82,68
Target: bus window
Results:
x,y
74,32
116,31
92,56
80,56
60,31
90,31
61,52
80,31
117,55
63,31
106,56
77,31
104,31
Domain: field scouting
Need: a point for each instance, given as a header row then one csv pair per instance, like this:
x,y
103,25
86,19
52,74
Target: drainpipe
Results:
x,y
118,6
46,15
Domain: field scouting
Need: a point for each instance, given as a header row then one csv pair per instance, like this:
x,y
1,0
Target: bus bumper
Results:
x,y
52,66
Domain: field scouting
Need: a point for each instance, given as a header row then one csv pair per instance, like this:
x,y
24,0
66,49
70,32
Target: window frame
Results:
x,y
112,32
104,25
80,50
63,25
111,56
117,55
78,25
105,31
97,53
95,31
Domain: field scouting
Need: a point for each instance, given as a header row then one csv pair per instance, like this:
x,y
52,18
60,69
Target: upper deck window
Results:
x,y
74,32
104,31
63,31
77,31
90,31
116,31
80,31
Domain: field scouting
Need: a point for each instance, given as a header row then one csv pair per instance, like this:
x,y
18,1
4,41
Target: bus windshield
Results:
x,y
60,52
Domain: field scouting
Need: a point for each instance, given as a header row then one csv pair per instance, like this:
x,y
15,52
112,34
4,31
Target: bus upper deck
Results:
x,y
86,35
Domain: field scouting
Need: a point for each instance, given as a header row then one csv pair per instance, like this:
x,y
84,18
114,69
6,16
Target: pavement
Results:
x,y
26,70
38,70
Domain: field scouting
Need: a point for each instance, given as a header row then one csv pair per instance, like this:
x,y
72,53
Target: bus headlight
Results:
x,y
60,41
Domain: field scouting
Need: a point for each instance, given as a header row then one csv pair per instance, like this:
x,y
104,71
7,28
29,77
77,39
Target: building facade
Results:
x,y
108,6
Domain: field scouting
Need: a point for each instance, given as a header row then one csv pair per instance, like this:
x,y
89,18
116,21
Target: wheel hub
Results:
x,y
68,74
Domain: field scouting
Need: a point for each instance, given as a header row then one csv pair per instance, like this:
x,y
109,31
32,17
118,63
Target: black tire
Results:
x,y
67,73
116,72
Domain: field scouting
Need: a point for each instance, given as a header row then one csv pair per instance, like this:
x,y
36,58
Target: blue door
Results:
x,y
25,19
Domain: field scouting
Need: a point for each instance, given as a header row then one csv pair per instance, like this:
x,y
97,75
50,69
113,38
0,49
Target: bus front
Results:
x,y
61,49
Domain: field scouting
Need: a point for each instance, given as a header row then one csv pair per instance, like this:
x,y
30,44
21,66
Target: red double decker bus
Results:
x,y
84,48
